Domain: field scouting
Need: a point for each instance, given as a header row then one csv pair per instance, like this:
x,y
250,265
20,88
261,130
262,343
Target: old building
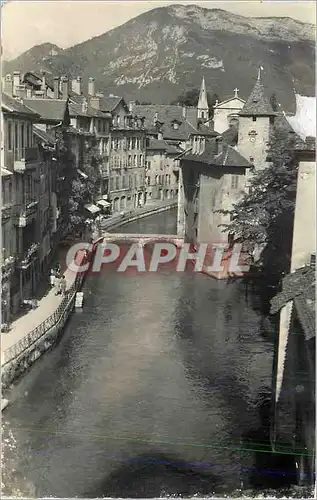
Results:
x,y
162,170
20,172
212,180
226,113
255,125
294,363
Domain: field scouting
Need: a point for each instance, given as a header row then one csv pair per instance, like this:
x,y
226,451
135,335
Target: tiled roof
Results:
x,y
77,110
230,136
17,107
229,157
257,103
300,287
109,103
156,145
45,136
48,109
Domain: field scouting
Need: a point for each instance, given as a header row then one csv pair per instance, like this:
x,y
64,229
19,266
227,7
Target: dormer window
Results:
x,y
175,124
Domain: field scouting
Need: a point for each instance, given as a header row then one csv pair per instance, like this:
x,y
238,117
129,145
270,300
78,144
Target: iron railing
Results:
x,y
15,350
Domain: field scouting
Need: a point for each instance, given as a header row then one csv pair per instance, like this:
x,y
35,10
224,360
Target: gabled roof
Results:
x,y
14,106
48,109
77,110
221,104
229,157
110,103
257,103
156,145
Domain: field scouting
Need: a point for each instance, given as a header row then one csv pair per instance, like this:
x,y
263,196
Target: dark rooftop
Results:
x,y
257,103
16,106
48,109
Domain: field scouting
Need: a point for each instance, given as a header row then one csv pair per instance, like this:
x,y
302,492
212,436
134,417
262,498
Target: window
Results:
x,y
130,160
16,137
130,181
148,165
251,159
10,146
135,160
22,137
234,181
254,118
117,182
111,183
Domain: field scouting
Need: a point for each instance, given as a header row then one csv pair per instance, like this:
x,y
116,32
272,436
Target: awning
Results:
x,y
93,209
82,174
103,203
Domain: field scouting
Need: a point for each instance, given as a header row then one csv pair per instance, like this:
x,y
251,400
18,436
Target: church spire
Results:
x,y
202,101
257,103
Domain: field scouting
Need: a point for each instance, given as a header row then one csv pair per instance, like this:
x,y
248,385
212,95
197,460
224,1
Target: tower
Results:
x,y
202,106
255,121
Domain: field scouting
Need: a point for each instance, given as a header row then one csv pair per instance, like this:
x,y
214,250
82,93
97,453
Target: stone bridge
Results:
x,y
142,239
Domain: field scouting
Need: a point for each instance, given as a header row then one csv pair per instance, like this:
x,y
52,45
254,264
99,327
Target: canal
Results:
x,y
151,390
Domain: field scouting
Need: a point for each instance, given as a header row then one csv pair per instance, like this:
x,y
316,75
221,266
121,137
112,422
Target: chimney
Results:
x,y
160,136
16,81
76,85
84,106
184,111
21,91
131,106
91,87
56,87
8,85
95,102
65,90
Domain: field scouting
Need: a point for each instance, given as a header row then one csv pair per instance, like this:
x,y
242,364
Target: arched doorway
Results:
x,y
123,203
116,204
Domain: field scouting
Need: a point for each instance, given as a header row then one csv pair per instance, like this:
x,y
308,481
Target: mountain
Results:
x,y
163,52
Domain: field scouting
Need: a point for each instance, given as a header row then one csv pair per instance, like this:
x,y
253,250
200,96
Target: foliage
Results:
x,y
264,216
191,97
84,191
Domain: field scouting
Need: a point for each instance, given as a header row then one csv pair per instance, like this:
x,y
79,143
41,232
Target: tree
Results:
x,y
85,190
191,97
265,214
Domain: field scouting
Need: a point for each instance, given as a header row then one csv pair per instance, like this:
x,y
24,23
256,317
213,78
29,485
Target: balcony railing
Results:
x,y
25,158
29,255
7,267
26,214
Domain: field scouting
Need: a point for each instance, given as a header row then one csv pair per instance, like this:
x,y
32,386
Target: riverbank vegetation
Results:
x,y
264,217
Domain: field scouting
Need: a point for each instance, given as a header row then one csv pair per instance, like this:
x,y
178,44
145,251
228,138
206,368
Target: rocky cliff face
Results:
x,y
159,54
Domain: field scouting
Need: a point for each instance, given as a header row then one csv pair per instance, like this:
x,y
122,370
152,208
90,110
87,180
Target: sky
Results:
x,y
65,23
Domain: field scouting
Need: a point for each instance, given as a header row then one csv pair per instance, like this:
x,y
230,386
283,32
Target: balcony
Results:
x,y
26,215
7,267
29,256
25,159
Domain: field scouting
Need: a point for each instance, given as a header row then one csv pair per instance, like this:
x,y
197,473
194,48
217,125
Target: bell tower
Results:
x,y
202,106
255,121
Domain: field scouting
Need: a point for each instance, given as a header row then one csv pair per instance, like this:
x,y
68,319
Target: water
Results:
x,y
149,392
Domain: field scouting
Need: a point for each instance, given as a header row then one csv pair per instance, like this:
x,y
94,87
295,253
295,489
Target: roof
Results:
x,y
77,110
300,287
156,145
109,103
14,106
304,121
230,136
229,157
35,78
44,136
257,103
234,98
48,109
